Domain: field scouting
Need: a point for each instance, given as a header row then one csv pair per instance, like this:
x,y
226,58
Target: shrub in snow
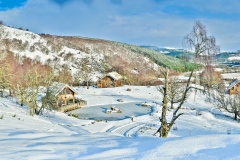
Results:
x,y
175,128
229,131
198,113
108,111
113,109
74,115
132,118
145,104
120,100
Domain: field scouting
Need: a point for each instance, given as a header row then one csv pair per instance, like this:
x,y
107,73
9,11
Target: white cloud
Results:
x,y
135,21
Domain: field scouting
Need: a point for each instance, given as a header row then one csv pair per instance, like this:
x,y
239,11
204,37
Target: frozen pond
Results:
x,y
99,112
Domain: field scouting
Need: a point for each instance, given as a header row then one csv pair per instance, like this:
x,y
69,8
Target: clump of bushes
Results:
x,y
74,115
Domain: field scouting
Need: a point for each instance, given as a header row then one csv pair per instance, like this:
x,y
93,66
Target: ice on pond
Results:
x,y
99,112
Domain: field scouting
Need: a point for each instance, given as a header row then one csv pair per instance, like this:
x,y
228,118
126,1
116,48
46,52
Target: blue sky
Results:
x,y
161,23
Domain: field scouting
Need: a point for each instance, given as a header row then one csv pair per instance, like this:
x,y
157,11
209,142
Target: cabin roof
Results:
x,y
114,75
233,83
58,87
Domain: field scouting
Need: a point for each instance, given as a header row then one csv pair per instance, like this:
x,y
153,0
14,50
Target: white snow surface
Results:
x,y
231,75
53,135
234,58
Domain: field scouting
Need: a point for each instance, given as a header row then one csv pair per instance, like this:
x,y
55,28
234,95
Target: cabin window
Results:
x,y
68,91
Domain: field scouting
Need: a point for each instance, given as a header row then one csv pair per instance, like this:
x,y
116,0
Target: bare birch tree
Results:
x,y
200,44
165,127
175,91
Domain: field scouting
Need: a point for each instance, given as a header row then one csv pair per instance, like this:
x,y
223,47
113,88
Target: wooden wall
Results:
x,y
107,82
65,95
235,89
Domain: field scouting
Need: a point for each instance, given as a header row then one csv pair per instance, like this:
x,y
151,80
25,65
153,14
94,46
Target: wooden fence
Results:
x,y
71,107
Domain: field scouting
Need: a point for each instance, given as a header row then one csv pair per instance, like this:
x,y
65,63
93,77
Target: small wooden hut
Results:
x,y
64,93
112,79
234,87
65,97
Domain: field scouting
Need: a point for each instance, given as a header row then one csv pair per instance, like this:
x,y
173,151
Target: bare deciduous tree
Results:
x,y
200,44
64,74
229,103
49,100
210,78
86,68
176,90
165,126
28,91
4,77
234,105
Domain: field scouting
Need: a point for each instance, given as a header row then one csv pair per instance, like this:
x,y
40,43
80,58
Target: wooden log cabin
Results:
x,y
64,93
65,97
112,79
234,87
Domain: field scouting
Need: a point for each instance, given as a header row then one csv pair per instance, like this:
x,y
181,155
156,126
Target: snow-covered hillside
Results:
x,y
71,51
209,135
26,44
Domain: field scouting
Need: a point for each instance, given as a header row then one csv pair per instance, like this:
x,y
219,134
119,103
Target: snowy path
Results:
x,y
131,129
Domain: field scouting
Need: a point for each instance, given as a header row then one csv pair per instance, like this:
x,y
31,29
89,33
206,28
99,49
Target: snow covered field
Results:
x,y
231,75
211,135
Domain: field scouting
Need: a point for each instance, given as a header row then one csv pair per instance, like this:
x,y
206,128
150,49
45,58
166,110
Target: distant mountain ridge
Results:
x,y
167,51
222,56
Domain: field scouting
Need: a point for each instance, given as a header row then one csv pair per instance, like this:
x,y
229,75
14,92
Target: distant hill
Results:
x,y
136,63
221,57
167,51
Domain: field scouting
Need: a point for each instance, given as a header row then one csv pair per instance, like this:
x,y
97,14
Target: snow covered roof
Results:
x,y
115,76
233,83
58,87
